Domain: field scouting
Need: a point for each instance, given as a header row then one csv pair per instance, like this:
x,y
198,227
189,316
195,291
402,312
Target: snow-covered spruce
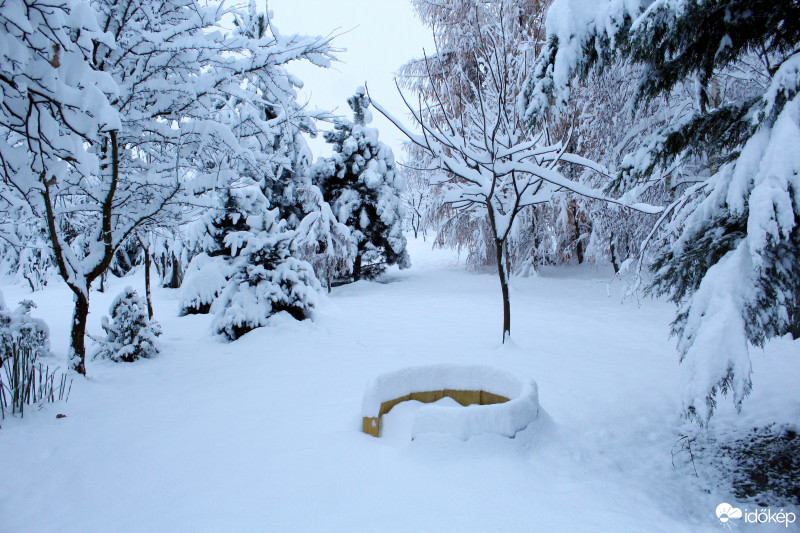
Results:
x,y
364,190
258,291
255,251
130,335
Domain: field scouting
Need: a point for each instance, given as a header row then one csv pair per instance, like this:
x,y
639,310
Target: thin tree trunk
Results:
x,y
501,271
147,293
613,251
499,245
357,267
577,233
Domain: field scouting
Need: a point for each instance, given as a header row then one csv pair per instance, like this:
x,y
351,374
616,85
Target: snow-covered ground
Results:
x,y
264,434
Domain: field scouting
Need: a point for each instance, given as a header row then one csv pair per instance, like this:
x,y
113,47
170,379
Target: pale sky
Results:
x,y
378,35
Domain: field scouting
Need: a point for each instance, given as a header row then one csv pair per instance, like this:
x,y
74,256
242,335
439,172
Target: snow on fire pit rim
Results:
x,y
512,405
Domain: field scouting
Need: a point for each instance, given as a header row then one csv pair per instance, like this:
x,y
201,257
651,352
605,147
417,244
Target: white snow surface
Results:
x,y
264,434
463,422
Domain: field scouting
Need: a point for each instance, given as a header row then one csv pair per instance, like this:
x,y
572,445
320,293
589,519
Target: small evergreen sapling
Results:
x,y
130,335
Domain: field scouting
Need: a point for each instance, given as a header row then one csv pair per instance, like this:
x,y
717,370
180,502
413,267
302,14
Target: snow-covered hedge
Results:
x,y
506,418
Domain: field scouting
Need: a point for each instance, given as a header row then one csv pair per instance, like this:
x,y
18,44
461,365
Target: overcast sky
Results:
x,y
378,35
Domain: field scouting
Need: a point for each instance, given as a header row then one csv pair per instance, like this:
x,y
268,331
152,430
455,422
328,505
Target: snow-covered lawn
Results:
x,y
264,434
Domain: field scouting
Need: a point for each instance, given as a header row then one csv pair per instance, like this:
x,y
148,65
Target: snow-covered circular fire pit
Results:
x,y
494,400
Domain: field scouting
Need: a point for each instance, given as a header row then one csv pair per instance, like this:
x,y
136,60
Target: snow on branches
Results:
x,y
495,167
729,253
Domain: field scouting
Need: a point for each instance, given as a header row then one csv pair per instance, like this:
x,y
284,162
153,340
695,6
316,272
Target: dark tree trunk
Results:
x,y
501,271
357,267
147,293
613,251
77,349
499,245
102,287
177,274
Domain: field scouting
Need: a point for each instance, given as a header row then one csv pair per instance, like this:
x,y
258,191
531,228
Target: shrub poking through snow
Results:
x,y
23,379
130,335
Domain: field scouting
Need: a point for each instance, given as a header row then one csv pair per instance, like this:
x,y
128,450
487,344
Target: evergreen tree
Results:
x,y
210,269
263,277
130,334
730,243
363,188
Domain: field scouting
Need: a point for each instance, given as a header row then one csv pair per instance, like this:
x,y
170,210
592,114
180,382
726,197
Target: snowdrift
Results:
x,y
494,400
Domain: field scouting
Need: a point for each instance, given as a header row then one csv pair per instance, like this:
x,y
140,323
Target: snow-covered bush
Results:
x,y
130,335
19,329
252,267
267,280
204,280
23,379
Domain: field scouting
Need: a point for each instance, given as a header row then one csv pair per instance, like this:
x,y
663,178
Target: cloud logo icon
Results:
x,y
726,511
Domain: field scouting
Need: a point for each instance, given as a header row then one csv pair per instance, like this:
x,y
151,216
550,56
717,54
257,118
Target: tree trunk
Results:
x,y
177,274
577,233
613,251
499,245
147,293
501,271
77,348
357,268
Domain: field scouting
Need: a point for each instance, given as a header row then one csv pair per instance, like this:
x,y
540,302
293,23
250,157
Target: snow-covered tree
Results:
x,y
363,188
209,270
417,199
322,240
730,242
55,114
461,30
130,334
205,279
111,127
494,169
263,277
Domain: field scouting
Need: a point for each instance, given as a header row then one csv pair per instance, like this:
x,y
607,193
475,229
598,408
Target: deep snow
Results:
x,y
264,434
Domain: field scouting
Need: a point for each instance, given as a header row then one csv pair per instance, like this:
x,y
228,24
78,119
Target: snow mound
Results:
x,y
204,281
492,400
